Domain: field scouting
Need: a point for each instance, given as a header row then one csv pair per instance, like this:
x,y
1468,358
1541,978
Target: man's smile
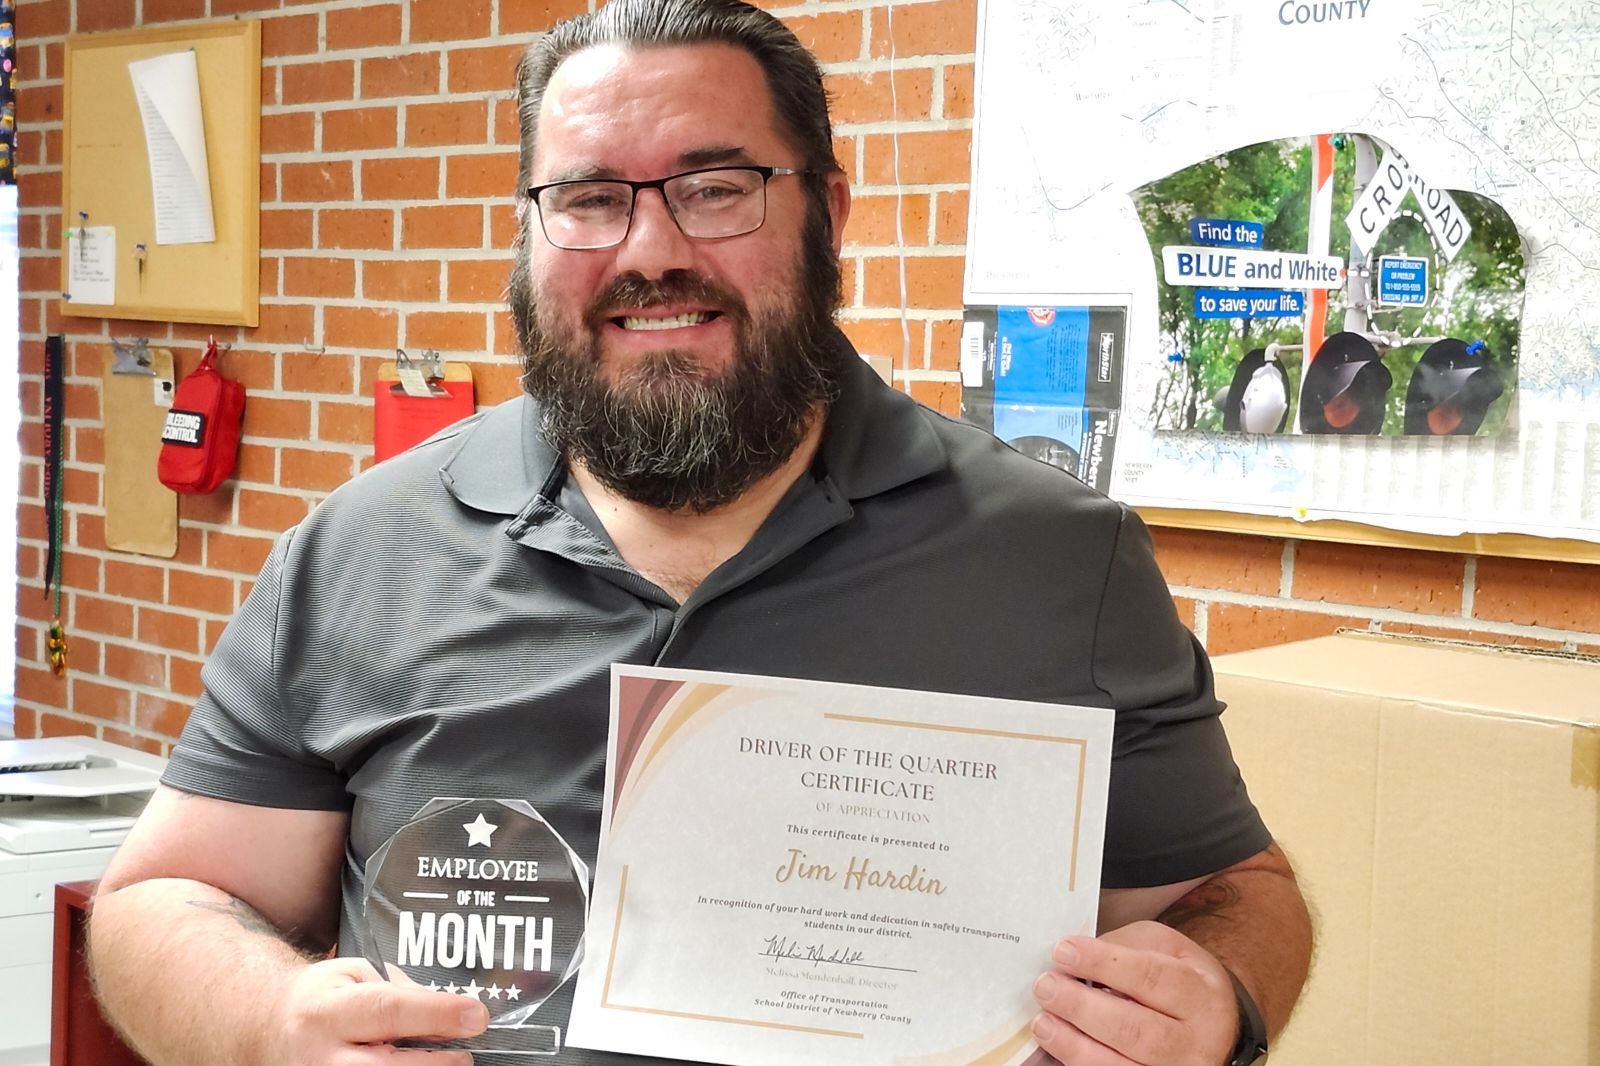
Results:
x,y
656,321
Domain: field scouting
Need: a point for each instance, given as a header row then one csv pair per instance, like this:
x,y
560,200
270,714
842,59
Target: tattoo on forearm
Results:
x,y
248,917
1211,899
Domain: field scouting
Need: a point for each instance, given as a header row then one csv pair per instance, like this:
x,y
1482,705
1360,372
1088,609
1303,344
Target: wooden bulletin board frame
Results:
x,y
106,174
1510,545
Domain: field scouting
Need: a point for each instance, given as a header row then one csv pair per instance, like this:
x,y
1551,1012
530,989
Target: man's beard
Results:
x,y
669,433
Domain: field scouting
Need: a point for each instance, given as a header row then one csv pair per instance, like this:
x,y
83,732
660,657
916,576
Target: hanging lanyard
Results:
x,y
54,449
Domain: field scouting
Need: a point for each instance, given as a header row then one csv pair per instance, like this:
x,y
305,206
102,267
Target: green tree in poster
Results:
x,y
1258,183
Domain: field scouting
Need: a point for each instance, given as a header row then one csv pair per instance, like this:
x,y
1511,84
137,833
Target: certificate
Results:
x,y
802,872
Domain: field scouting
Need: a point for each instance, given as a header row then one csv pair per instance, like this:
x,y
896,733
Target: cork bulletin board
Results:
x,y
108,191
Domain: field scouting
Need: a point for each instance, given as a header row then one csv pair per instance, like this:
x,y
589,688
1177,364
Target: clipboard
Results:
x,y
136,389
400,418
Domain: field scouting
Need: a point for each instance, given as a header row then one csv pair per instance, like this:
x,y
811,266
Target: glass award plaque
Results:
x,y
480,897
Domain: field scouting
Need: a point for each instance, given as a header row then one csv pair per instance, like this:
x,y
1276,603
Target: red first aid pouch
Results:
x,y
200,438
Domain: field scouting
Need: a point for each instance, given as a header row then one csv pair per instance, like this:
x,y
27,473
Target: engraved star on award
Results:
x,y
480,897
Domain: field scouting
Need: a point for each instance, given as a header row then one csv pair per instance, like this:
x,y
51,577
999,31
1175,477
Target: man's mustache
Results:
x,y
632,291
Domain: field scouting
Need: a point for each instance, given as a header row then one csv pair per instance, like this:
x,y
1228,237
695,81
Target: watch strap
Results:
x,y
1251,1047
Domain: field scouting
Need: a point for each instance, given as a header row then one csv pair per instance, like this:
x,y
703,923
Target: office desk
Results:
x,y
79,1033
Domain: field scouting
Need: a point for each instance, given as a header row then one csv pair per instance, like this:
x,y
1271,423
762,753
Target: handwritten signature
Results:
x,y
781,947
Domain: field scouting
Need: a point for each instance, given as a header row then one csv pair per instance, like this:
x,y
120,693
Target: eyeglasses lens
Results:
x,y
706,204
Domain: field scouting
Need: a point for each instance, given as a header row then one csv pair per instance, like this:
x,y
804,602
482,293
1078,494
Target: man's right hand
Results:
x,y
341,1012
208,944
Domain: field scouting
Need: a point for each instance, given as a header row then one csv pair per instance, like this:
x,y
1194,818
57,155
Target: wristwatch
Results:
x,y
1251,1046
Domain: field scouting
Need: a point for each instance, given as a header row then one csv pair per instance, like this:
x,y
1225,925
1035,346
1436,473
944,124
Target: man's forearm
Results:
x,y
188,974
1253,919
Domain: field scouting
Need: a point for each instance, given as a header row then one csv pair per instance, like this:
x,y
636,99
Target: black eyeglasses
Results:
x,y
706,204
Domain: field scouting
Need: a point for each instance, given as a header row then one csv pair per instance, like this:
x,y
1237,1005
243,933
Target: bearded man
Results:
x,y
702,475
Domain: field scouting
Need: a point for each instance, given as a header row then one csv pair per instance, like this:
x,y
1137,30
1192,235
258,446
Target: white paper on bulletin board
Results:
x,y
1081,102
92,264
167,88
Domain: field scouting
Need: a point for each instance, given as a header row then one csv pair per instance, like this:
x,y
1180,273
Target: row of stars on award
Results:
x,y
476,990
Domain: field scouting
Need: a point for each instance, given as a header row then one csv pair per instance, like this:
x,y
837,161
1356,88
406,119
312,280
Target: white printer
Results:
x,y
65,805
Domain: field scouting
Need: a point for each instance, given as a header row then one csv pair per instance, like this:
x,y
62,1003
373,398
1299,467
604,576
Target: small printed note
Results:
x,y
92,265
413,381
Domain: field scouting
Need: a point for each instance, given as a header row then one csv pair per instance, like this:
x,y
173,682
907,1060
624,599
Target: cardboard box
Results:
x,y
1441,805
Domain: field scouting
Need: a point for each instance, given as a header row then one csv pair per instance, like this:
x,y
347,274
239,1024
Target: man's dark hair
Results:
x,y
793,77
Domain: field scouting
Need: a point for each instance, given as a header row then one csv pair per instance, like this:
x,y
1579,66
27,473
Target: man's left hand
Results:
x,y
1157,999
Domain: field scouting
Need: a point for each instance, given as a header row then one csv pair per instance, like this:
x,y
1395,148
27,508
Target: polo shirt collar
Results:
x,y
501,463
877,439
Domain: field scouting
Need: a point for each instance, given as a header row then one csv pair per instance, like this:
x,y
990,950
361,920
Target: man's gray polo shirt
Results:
x,y
444,625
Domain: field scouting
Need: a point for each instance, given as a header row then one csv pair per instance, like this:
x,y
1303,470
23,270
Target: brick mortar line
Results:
x,y
507,199
357,200
126,727
388,303
890,314
879,188
128,645
101,637
311,496
404,152
875,313
477,356
880,64
41,709
886,190
913,251
398,151
108,555
1382,614
501,38
922,125
104,554
813,7
164,741
360,103
379,51
165,565
938,63
100,676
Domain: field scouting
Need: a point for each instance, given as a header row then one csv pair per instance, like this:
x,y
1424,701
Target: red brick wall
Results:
x,y
1240,592
388,160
